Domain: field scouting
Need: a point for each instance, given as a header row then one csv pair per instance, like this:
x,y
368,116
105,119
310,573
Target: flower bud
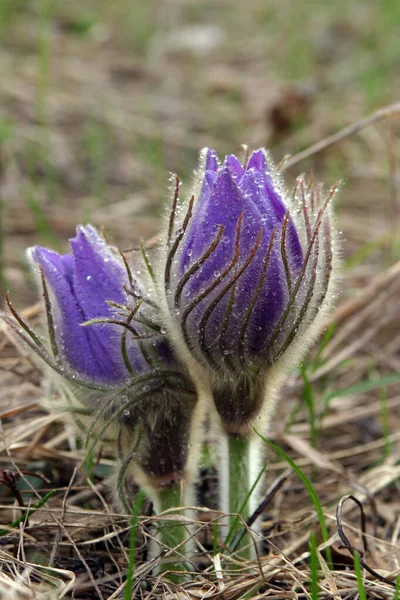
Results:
x,y
81,286
107,347
246,279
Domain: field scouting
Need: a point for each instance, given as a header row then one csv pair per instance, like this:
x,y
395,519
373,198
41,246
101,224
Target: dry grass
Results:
x,y
86,542
89,124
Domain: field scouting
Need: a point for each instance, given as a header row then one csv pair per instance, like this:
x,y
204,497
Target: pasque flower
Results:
x,y
237,295
245,280
247,277
106,346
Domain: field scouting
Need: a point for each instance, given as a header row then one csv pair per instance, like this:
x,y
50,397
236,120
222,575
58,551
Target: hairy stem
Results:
x,y
236,490
172,534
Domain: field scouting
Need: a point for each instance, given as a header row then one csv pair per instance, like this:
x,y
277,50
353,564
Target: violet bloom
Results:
x,y
81,287
106,346
247,273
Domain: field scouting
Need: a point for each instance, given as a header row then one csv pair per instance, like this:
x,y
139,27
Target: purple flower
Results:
x,y
105,342
247,272
81,286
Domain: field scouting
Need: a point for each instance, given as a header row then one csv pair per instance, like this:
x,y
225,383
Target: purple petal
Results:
x,y
224,206
211,162
93,351
257,161
233,164
275,198
258,183
253,188
98,276
269,196
294,249
227,195
267,309
78,345
208,183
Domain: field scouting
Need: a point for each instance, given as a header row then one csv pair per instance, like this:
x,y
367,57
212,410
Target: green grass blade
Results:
x,y
29,512
314,565
385,424
360,583
307,484
130,575
215,540
363,386
397,590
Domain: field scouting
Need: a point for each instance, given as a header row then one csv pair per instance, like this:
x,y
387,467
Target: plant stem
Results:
x,y
239,490
171,533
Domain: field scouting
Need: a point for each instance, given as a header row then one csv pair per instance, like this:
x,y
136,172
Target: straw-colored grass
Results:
x,y
97,103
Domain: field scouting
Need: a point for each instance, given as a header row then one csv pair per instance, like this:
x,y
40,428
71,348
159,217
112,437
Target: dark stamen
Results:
x,y
196,266
171,223
254,299
124,349
122,307
292,297
211,307
305,210
128,270
215,283
284,253
107,321
147,260
178,239
49,316
304,308
300,278
327,260
23,324
137,296
223,346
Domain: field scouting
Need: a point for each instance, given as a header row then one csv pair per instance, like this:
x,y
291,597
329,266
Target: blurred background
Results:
x,y
99,100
